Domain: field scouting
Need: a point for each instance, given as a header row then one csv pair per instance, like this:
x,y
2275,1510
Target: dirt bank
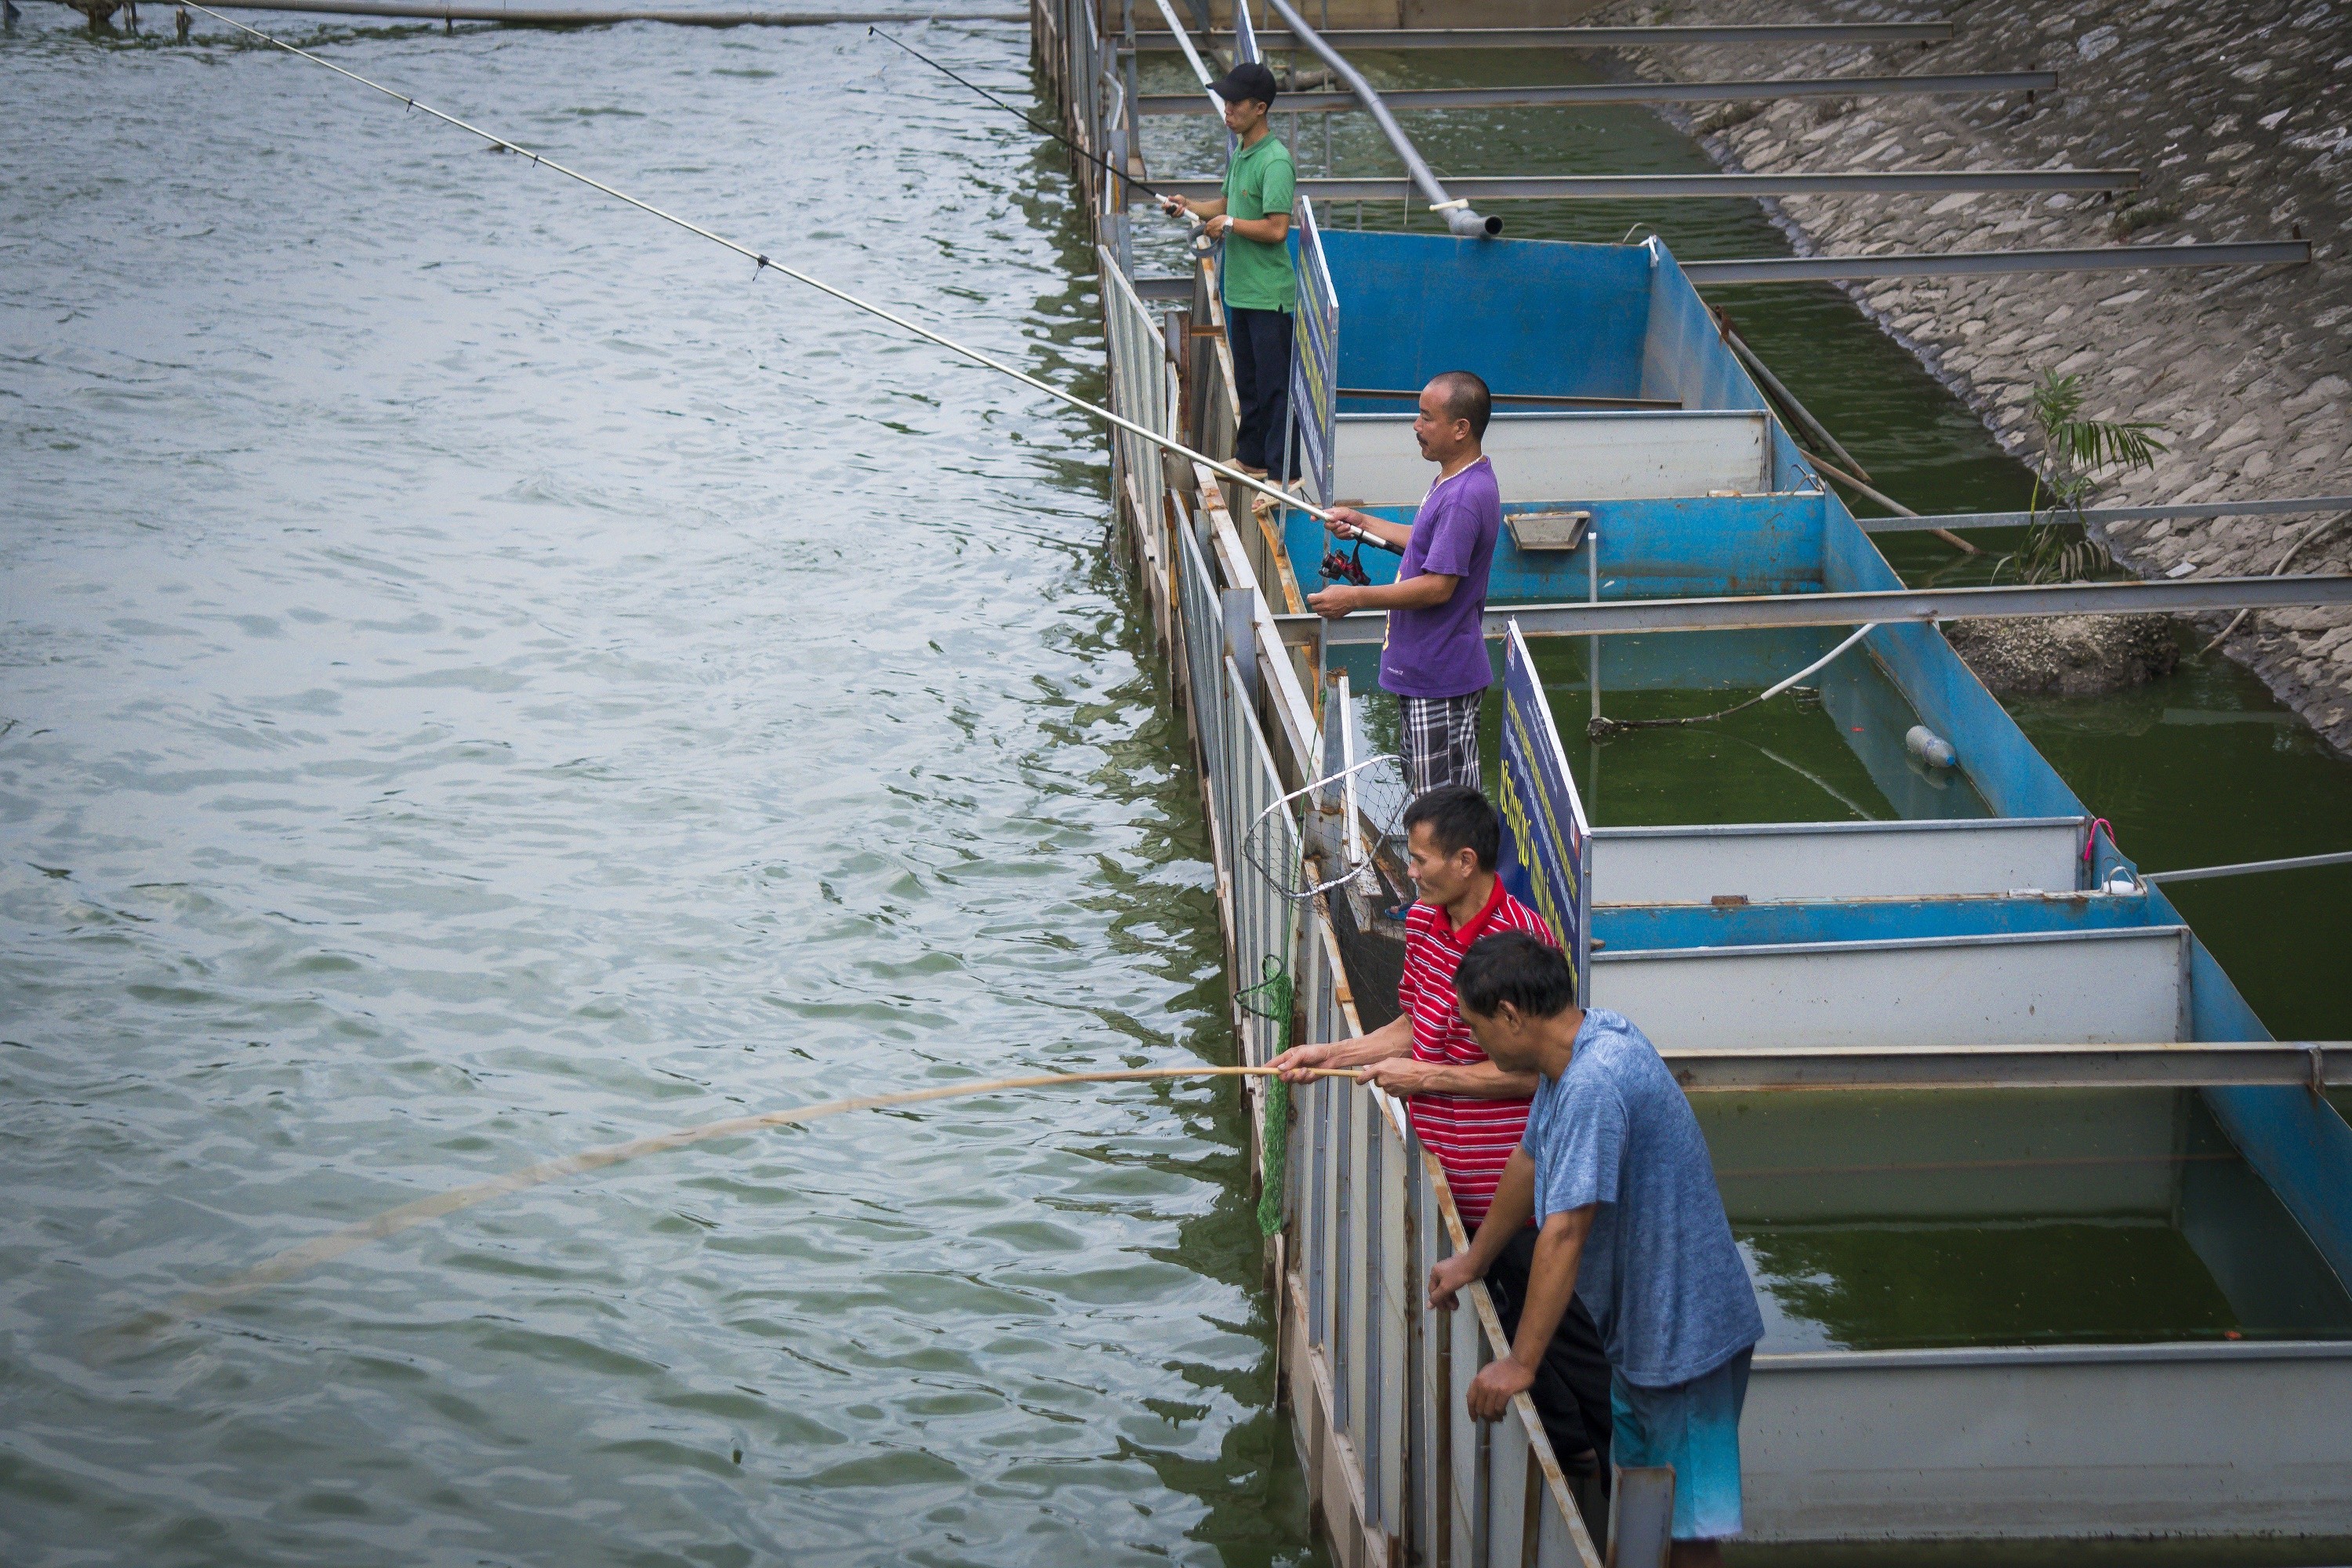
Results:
x,y
2239,114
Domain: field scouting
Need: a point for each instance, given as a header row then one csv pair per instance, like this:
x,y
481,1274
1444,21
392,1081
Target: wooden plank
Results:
x,y
1293,714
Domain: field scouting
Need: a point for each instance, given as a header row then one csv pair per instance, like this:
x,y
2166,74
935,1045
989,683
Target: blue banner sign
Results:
x,y
1547,844
1314,358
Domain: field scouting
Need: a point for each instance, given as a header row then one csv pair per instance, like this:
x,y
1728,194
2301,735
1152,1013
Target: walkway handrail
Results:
x,y
1459,218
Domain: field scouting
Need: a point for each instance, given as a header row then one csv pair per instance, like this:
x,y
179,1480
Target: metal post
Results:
x,y
1241,636
1592,595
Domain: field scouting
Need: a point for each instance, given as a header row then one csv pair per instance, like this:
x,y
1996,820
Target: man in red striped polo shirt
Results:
x,y
1469,1112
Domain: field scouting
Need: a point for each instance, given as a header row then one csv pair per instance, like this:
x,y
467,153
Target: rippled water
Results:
x,y
486,678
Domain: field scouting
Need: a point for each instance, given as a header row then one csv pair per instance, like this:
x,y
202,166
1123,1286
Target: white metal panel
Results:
x,y
1467,1441
1509,1458
1566,456
2049,989
1398,1277
1835,860
2239,1439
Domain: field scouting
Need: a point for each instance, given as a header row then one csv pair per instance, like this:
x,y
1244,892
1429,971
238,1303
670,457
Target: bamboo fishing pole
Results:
x,y
335,1244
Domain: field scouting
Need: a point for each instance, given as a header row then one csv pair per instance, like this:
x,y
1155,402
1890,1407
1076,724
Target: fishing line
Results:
x,y
1602,729
322,1249
1042,130
762,262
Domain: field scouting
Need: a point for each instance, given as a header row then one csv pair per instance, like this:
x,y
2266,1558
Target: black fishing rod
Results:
x,y
1042,129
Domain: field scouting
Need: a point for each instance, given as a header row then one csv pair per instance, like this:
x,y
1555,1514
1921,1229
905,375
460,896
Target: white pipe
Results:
x,y
1819,663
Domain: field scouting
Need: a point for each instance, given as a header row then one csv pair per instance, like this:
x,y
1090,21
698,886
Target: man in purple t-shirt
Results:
x,y
1435,658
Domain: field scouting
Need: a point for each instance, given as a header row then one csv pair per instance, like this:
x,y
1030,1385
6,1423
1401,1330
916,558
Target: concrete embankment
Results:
x,y
2239,114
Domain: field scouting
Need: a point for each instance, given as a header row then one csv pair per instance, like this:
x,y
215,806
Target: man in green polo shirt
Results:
x,y
1252,217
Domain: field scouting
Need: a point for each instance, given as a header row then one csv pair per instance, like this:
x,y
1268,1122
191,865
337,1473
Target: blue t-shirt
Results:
x,y
1661,1274
1442,651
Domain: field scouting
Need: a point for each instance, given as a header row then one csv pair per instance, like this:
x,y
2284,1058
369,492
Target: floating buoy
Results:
x,y
1929,747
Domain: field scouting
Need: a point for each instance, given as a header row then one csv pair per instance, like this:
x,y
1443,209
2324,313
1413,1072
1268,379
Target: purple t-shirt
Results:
x,y
1442,651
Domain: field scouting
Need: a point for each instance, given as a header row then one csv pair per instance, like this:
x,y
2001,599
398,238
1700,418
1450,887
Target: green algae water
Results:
x,y
486,678
1900,1222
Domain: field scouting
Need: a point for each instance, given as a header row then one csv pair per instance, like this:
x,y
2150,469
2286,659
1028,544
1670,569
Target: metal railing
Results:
x,y
1377,1380
1141,389
1373,1369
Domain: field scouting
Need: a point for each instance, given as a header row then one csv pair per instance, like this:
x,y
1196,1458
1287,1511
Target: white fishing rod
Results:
x,y
761,263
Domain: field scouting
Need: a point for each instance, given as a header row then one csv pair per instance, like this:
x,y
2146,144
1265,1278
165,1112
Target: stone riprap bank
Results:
x,y
2239,114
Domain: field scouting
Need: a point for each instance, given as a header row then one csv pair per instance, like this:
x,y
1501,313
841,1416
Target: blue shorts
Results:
x,y
1695,1428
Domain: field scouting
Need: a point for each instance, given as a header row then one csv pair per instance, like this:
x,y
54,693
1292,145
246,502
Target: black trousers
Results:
x,y
1261,344
1571,1387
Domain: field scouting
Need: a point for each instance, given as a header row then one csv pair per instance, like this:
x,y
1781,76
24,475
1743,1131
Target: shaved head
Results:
x,y
1464,397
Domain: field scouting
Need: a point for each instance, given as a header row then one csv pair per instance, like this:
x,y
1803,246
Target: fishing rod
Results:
x,y
325,1248
761,262
1041,129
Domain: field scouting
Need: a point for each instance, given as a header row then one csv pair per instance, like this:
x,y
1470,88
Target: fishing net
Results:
x,y
1273,1157
1370,815
1276,851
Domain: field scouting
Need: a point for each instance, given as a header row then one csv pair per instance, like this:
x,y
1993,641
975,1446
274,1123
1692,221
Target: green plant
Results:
x,y
2074,450
2134,215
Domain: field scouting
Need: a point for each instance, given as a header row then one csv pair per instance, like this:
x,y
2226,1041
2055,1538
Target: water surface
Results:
x,y
489,677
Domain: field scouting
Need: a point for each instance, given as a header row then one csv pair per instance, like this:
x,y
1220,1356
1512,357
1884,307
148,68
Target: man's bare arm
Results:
x,y
1393,1038
1515,1200
1408,1075
1551,1282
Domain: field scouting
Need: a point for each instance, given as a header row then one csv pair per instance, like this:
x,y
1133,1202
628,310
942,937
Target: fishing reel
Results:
x,y
1348,568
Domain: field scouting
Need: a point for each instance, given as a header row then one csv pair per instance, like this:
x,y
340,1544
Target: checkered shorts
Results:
x,y
1441,741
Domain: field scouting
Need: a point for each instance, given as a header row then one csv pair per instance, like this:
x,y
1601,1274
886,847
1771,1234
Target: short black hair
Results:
x,y
1513,966
1466,398
1459,817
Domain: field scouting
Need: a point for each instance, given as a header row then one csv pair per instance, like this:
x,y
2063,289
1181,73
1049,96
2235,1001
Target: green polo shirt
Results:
x,y
1260,181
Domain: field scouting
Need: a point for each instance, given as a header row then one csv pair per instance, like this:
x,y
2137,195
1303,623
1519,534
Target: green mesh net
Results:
x,y
1273,1155
1270,998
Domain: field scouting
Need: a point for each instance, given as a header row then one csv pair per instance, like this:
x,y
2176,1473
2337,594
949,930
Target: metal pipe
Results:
x,y
2288,506
555,18
1889,502
1605,37
1538,399
1842,182
1976,263
2194,1065
1606,93
1787,399
1192,56
2248,867
1621,616
1460,220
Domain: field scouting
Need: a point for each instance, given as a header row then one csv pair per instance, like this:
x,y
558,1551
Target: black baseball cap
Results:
x,y
1248,80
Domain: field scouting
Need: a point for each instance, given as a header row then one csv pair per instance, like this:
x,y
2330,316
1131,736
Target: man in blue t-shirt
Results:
x,y
1435,655
1615,1171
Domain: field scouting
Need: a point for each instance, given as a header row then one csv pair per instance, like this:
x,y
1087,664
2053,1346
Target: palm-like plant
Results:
x,y
2074,451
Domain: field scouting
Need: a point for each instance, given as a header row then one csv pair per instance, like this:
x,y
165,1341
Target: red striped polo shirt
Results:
x,y
1473,1139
